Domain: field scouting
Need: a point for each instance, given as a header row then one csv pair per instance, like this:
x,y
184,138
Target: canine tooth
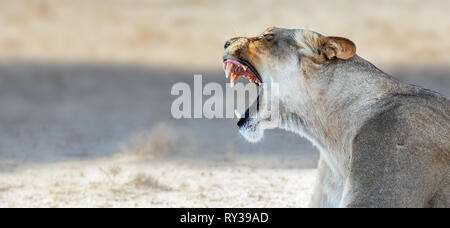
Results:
x,y
224,66
233,79
237,114
244,67
228,69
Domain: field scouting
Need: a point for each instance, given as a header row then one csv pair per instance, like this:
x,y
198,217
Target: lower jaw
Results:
x,y
243,120
251,133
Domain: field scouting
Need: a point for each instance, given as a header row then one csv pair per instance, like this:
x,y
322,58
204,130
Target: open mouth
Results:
x,y
235,69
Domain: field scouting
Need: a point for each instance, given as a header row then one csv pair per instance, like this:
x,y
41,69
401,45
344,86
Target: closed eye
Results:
x,y
269,37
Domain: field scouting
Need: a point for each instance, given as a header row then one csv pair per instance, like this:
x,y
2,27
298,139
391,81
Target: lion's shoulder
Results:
x,y
416,124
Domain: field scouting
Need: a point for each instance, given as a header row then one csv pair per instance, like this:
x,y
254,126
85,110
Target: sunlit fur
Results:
x,y
382,143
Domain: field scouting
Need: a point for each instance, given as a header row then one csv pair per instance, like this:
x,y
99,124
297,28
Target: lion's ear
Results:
x,y
336,47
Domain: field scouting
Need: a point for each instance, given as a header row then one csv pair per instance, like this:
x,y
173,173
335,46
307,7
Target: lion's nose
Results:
x,y
227,44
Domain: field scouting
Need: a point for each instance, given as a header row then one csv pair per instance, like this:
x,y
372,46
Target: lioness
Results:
x,y
382,143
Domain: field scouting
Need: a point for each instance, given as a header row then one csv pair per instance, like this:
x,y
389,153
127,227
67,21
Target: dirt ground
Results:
x,y
85,97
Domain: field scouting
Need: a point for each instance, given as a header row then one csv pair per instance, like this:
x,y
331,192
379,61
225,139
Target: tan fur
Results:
x,y
338,47
382,143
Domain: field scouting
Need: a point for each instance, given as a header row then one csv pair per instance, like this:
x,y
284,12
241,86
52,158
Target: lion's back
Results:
x,y
407,142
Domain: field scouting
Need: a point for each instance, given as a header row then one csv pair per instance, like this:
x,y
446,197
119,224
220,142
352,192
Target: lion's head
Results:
x,y
287,58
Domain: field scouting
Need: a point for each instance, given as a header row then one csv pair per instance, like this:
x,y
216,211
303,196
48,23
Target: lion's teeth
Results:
x,y
244,67
237,114
233,79
228,69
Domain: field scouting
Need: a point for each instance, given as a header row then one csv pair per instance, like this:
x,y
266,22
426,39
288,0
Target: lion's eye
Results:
x,y
268,37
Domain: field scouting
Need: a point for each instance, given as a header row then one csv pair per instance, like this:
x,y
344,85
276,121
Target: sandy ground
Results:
x,y
130,181
85,97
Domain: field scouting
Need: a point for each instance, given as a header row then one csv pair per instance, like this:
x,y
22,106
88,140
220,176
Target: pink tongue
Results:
x,y
239,70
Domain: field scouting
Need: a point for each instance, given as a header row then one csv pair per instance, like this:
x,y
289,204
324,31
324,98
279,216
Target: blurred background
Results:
x,y
85,97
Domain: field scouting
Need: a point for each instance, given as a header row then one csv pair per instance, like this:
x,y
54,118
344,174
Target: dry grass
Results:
x,y
192,32
142,180
119,182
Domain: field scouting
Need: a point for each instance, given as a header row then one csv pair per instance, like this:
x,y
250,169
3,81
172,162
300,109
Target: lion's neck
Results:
x,y
337,103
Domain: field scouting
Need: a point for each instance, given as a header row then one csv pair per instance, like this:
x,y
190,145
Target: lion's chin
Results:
x,y
252,132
